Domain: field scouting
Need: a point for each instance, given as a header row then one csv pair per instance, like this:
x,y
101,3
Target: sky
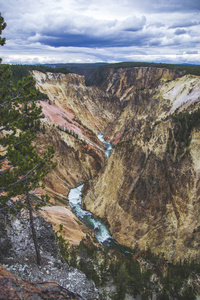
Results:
x,y
88,31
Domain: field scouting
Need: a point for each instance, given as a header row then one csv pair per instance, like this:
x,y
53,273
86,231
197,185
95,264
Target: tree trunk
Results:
x,y
37,250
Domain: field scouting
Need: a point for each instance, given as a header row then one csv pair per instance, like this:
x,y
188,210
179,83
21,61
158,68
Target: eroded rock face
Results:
x,y
20,260
124,82
92,106
72,231
149,190
74,114
14,287
77,160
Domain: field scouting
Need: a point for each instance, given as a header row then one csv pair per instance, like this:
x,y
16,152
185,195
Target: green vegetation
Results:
x,y
70,132
22,170
135,273
62,243
187,69
75,66
20,71
61,200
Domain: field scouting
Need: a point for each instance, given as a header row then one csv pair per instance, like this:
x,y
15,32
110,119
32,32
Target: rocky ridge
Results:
x,y
93,107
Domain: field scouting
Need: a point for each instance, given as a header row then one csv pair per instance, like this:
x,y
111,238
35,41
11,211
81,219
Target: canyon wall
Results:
x,y
148,189
73,115
148,192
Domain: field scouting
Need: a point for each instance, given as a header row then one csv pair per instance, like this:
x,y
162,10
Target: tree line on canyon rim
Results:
x,y
22,170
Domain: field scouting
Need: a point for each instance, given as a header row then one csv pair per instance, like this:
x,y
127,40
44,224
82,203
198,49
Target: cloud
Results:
x,y
74,30
180,31
192,52
89,32
184,23
176,5
133,23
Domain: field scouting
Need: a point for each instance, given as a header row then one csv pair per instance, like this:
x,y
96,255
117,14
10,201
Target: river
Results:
x,y
101,231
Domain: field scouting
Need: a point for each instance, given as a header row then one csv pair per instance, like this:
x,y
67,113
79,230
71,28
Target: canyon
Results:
x,y
74,114
147,191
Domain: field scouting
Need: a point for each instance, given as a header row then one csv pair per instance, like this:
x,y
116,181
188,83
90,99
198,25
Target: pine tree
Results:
x,y
21,168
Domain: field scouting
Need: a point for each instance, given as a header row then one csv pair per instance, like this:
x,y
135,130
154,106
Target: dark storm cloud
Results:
x,y
133,24
88,32
91,41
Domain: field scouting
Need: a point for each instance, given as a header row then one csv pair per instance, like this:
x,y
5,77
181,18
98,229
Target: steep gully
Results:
x,y
101,232
100,229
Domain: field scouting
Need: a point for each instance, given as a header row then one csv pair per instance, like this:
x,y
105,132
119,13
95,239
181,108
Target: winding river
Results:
x,y
101,231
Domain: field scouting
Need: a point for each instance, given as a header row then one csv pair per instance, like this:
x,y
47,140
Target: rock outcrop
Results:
x,y
77,160
18,256
73,231
14,287
148,192
123,83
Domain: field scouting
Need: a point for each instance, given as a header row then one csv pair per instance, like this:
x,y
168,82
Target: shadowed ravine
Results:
x,y
100,230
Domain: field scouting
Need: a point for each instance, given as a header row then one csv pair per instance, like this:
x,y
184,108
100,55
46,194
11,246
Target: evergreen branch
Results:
x,y
25,176
22,178
14,204
14,145
4,208
11,100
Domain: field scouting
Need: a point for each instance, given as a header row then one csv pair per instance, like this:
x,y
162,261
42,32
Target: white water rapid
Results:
x,y
108,145
101,232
